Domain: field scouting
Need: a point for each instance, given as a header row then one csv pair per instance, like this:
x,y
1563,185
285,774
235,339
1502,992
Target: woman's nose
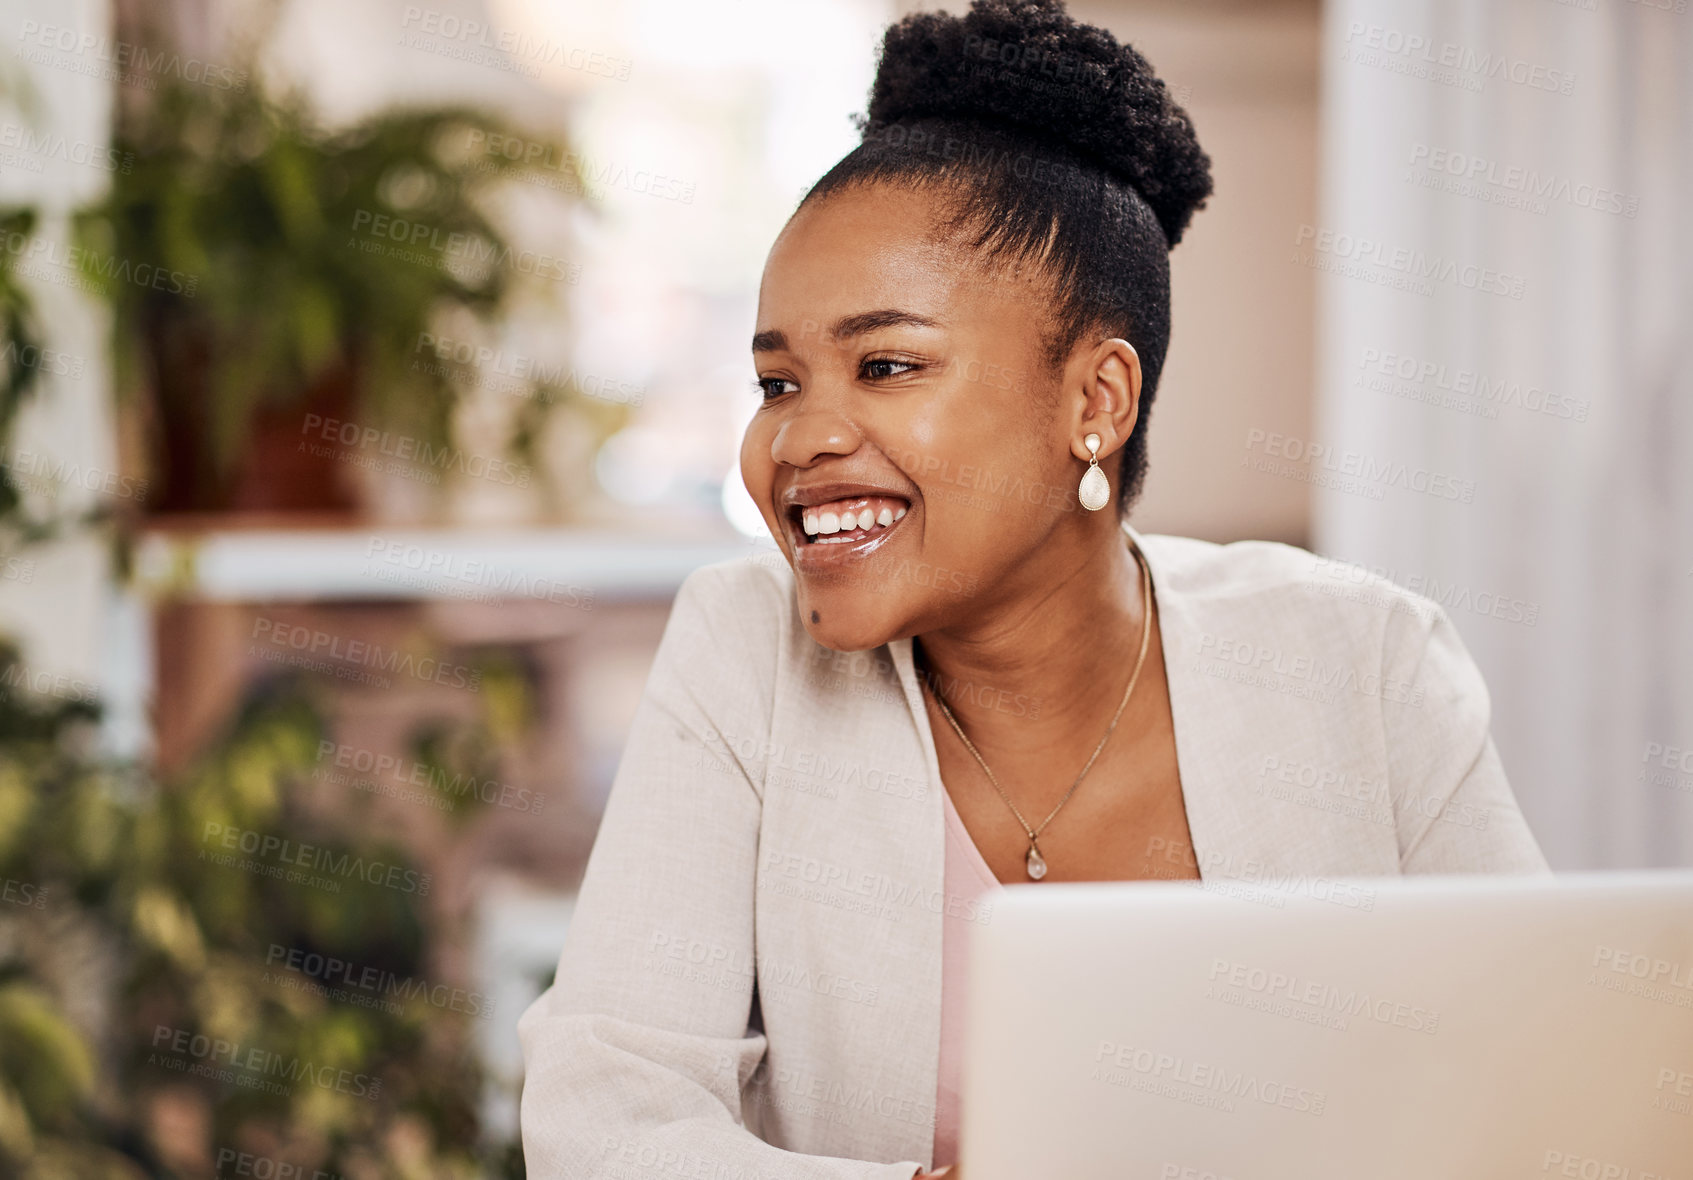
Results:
x,y
813,434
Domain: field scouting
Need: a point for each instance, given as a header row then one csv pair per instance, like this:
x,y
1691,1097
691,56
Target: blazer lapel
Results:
x,y
1229,728
1201,719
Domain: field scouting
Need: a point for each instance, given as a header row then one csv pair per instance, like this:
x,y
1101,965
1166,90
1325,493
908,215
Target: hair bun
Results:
x,y
1028,62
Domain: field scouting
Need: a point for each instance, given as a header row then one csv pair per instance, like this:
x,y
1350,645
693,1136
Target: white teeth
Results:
x,y
822,524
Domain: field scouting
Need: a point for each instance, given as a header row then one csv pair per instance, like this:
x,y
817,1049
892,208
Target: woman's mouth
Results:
x,y
857,524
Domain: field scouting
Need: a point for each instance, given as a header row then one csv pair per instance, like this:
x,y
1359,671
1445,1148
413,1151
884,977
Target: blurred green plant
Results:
x,y
20,360
117,919
289,267
127,930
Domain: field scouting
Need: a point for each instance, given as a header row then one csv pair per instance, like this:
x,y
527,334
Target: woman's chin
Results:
x,y
839,628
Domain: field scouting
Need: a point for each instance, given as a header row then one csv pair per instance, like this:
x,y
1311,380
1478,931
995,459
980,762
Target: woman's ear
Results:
x,y
1110,380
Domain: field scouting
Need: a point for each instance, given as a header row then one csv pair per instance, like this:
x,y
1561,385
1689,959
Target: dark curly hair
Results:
x,y
1054,144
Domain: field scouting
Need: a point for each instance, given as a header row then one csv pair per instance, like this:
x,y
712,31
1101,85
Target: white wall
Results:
x,y
55,108
1577,525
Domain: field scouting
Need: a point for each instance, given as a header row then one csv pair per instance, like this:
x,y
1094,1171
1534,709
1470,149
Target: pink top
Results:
x,y
967,877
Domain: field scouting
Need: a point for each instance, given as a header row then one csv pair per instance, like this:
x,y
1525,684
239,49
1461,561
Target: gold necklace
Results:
x,y
1035,862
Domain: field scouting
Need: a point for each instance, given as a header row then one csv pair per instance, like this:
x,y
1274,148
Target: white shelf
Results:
x,y
439,564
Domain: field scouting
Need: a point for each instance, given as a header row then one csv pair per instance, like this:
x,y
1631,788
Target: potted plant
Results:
x,y
267,275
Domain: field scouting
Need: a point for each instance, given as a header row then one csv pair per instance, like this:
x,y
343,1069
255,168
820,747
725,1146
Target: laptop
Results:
x,y
1419,1028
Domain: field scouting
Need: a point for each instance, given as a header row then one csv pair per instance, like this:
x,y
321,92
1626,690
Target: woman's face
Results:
x,y
903,390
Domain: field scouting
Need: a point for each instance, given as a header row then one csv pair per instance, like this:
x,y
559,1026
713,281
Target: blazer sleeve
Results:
x,y
635,1057
1454,810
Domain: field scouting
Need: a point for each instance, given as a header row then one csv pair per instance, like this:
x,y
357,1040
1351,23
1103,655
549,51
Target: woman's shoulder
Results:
x,y
741,607
752,584
1304,620
1270,569
1275,592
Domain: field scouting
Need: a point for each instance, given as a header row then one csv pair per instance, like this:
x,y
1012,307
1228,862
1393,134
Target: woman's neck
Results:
x,y
1044,672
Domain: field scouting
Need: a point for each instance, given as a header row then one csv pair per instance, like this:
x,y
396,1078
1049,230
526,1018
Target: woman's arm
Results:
x,y
635,1057
1454,809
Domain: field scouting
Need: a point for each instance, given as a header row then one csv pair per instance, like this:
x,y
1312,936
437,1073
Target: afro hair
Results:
x,y
1029,63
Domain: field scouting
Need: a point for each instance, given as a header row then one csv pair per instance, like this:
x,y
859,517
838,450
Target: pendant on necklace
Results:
x,y
1036,863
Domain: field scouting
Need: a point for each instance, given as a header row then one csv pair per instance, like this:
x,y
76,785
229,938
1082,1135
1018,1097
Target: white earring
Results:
x,y
1095,491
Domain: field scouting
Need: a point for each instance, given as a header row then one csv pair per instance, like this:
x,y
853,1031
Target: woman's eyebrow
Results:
x,y
848,326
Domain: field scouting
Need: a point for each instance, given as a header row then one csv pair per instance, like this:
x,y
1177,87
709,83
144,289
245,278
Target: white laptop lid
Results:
x,y
1431,1028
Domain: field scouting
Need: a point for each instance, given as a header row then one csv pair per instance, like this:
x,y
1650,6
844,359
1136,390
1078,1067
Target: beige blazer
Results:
x,y
750,985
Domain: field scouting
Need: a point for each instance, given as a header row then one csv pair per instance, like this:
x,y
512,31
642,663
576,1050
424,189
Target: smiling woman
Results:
x,y
959,335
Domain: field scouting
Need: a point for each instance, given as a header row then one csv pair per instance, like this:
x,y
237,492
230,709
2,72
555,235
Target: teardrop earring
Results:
x,y
1095,491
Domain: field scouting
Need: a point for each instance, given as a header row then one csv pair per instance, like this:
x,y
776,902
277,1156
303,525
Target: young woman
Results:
x,y
967,669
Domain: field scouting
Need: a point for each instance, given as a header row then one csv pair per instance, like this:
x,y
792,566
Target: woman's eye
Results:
x,y
763,385
883,368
